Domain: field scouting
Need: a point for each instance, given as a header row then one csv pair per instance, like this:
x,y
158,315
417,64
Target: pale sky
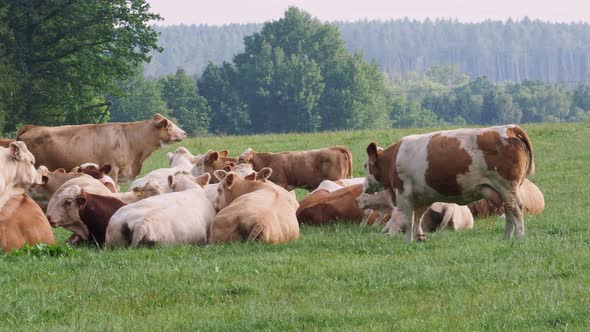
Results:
x,y
218,12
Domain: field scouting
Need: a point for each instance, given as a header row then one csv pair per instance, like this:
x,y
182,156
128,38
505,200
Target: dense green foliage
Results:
x,y
511,50
336,277
62,58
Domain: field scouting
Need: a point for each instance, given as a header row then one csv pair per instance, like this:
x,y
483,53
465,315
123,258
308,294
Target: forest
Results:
x,y
511,50
295,74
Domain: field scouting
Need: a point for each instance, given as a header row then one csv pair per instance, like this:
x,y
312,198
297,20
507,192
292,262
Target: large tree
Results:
x,y
69,54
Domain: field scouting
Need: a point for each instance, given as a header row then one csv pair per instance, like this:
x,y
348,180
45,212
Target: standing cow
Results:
x,y
122,145
456,166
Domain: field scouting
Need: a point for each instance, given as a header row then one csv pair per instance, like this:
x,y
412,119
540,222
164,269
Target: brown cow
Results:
x,y
212,161
5,142
94,213
302,169
323,206
257,211
531,196
456,166
124,146
22,222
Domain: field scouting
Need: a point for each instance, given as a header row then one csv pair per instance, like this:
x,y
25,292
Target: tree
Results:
x,y
141,100
229,114
69,54
182,96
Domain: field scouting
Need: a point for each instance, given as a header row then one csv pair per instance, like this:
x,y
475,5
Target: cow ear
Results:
x,y
203,179
169,155
60,171
106,169
16,151
229,180
81,201
250,177
223,153
220,174
213,156
170,180
76,169
373,151
264,174
44,179
162,123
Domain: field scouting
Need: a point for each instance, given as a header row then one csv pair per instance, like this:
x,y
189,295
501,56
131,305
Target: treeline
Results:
x,y
296,75
511,50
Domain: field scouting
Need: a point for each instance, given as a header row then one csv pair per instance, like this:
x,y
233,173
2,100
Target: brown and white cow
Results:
x,y
323,206
455,166
5,142
124,146
255,211
17,171
22,222
532,198
302,169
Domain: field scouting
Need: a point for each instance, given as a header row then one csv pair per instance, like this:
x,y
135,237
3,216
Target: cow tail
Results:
x,y
348,156
23,130
446,218
256,233
524,138
140,232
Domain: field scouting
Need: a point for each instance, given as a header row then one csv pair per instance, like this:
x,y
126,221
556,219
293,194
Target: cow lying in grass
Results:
x,y
17,171
302,169
254,211
174,218
456,166
532,198
22,222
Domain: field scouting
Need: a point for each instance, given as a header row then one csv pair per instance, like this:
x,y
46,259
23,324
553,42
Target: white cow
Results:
x,y
17,171
183,159
174,218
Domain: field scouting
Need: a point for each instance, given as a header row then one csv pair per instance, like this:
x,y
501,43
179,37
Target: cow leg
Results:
x,y
366,215
514,214
407,213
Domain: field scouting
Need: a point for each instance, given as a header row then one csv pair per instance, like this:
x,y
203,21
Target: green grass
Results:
x,y
336,277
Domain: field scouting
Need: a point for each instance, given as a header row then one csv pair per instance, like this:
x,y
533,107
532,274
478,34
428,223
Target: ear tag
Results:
x,y
138,193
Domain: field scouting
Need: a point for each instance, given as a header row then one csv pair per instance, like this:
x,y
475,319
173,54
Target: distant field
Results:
x,y
337,277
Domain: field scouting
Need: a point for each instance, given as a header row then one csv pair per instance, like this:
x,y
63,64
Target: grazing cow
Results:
x,y
531,196
22,222
212,161
122,145
174,218
56,213
456,166
255,211
17,171
302,169
183,159
323,206
5,142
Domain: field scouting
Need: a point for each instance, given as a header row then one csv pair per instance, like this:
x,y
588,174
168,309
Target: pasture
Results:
x,y
336,277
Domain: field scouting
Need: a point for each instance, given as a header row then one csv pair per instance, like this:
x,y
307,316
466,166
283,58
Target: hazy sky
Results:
x,y
217,12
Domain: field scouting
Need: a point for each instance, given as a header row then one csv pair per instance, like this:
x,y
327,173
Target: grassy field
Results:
x,y
337,277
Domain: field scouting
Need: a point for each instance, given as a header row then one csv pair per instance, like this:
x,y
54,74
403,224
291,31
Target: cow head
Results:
x,y
169,132
149,189
378,201
211,161
64,211
99,173
373,170
182,181
182,158
246,157
21,163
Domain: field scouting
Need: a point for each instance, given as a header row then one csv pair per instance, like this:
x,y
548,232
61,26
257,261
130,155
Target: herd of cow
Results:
x,y
73,173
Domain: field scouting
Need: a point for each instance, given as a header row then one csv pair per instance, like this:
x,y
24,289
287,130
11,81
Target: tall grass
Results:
x,y
336,277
